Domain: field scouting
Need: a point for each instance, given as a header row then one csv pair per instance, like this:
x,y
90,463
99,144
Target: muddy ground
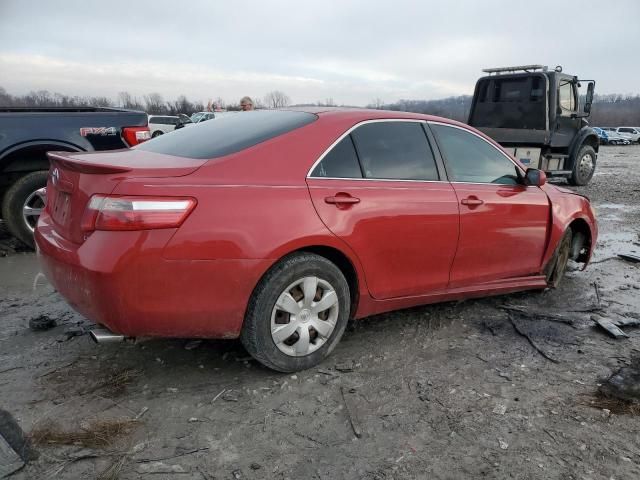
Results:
x,y
439,392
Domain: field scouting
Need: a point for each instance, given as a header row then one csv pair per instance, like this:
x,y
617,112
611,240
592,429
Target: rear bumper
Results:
x,y
120,280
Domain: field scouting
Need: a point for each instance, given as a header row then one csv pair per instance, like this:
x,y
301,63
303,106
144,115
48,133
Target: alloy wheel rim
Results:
x,y
304,316
32,208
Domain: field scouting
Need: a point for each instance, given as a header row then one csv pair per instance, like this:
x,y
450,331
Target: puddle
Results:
x,y
21,273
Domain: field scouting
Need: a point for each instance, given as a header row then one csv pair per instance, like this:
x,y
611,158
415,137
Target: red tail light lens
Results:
x,y
135,135
136,212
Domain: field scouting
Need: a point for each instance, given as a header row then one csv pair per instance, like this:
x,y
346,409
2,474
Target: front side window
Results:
x,y
395,151
472,159
566,96
340,162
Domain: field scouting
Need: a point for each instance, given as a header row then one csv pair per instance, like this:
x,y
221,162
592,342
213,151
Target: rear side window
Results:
x,y
395,151
340,162
229,134
472,159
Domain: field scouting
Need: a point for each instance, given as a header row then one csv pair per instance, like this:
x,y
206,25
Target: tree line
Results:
x,y
608,110
611,110
152,103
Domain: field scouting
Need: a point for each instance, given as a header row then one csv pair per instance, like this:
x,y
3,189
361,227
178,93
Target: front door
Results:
x,y
567,121
379,190
503,223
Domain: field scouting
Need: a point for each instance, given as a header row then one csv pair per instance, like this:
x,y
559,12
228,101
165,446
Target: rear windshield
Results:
x,y
227,134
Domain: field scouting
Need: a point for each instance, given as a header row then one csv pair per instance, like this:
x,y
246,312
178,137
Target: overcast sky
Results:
x,y
351,51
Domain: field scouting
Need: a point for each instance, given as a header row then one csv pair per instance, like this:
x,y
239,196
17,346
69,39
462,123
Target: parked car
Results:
x,y
614,138
202,116
632,133
183,121
278,226
161,124
26,134
603,136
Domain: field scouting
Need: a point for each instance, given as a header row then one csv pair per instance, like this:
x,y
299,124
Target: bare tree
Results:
x,y
154,103
378,104
277,99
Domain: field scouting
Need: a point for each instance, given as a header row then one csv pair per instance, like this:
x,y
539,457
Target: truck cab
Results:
x,y
535,114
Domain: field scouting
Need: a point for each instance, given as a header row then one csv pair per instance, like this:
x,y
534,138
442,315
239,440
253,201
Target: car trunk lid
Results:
x,y
74,178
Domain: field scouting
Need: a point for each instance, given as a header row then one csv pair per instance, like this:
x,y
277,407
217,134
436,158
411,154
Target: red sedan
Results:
x,y
279,226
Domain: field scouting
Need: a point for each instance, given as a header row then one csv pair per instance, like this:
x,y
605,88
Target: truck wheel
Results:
x,y
156,134
22,205
583,166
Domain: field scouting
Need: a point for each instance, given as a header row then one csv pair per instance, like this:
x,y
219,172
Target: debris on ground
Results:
x,y
42,322
71,332
10,461
526,335
624,384
614,327
629,258
15,448
500,409
351,411
12,434
159,467
95,434
346,367
537,313
116,383
192,344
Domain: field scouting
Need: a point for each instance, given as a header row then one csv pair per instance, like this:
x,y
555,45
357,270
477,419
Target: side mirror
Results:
x,y
589,98
535,177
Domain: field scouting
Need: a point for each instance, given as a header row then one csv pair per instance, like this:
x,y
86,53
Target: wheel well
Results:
x,y
25,160
592,141
31,158
581,240
340,260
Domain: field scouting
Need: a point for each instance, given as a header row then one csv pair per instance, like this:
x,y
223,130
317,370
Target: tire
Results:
x,y
155,134
24,193
286,280
584,165
560,260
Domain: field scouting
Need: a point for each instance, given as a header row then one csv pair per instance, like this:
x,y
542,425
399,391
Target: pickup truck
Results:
x,y
26,134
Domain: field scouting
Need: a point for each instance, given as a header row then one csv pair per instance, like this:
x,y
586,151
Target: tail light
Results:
x,y
136,212
135,135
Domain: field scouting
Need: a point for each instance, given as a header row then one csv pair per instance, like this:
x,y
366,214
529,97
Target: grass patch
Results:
x,y
96,434
614,405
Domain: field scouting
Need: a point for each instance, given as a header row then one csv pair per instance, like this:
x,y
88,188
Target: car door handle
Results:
x,y
471,201
341,200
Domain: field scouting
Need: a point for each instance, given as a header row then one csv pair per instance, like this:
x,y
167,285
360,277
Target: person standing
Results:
x,y
246,104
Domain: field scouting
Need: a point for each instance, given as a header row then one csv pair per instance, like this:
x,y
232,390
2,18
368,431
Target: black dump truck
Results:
x,y
535,113
26,134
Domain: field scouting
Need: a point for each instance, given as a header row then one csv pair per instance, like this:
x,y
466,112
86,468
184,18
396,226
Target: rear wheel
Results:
x,y
561,259
584,166
155,134
297,313
22,205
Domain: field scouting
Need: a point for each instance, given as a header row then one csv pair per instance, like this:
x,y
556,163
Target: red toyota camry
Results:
x,y
279,226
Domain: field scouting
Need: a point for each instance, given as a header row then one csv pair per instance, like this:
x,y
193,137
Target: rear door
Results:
x,y
503,223
379,189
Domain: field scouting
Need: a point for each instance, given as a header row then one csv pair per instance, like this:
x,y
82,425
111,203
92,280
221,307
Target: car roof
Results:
x,y
362,114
